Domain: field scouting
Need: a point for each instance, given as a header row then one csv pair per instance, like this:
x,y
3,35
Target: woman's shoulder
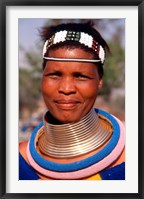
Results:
x,y
23,148
26,172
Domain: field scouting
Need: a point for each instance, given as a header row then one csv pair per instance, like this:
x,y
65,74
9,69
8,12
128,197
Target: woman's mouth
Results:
x,y
66,104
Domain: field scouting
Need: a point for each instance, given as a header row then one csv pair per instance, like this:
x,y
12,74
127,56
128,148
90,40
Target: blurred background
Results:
x,y
31,105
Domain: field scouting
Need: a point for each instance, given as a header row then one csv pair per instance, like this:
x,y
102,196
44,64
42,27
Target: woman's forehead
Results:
x,y
70,53
70,67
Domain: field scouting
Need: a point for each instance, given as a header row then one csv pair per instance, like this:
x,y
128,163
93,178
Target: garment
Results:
x,y
26,172
100,166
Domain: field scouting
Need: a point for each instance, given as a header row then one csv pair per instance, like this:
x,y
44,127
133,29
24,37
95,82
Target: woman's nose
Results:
x,y
67,86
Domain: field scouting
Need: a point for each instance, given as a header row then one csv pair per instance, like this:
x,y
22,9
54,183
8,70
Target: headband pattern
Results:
x,y
81,37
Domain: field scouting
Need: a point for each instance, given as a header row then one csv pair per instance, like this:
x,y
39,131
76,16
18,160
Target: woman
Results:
x,y
74,141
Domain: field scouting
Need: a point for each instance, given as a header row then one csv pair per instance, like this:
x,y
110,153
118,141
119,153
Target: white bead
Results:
x,y
101,54
45,47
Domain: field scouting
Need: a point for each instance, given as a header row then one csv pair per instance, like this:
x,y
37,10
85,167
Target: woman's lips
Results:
x,y
66,104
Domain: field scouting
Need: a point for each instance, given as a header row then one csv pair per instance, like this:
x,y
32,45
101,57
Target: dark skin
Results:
x,y
70,88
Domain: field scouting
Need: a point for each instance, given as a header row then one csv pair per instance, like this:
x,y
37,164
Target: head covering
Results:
x,y
82,38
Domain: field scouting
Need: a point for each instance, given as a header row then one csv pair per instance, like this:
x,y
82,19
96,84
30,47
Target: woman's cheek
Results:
x,y
89,90
46,85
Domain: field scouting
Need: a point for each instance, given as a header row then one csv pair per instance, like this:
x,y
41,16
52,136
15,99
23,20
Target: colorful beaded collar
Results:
x,y
83,173
74,166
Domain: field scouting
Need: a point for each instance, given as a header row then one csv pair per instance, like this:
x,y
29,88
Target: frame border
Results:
x,y
3,5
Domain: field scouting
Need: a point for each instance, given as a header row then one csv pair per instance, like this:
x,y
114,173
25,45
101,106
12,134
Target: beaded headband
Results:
x,y
82,38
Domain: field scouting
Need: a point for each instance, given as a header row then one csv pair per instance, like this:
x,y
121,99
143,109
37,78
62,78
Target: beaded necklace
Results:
x,y
91,170
84,163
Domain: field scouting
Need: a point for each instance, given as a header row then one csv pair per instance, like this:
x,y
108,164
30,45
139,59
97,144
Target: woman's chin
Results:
x,y
67,118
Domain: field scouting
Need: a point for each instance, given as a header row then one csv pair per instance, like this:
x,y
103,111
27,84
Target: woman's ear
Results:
x,y
100,84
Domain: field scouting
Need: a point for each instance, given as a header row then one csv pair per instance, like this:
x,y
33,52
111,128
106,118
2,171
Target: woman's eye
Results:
x,y
82,77
54,75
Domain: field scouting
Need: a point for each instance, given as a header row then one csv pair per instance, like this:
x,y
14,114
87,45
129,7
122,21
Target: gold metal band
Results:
x,y
74,139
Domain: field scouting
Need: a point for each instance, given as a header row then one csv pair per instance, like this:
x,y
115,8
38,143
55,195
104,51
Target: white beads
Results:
x,y
59,37
86,39
101,54
83,38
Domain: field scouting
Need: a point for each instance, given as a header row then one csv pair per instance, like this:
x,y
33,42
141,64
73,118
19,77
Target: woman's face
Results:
x,y
70,88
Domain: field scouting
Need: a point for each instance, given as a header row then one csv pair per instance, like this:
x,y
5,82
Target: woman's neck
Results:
x,y
73,139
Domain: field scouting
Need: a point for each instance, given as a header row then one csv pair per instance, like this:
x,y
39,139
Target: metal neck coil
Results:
x,y
74,139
